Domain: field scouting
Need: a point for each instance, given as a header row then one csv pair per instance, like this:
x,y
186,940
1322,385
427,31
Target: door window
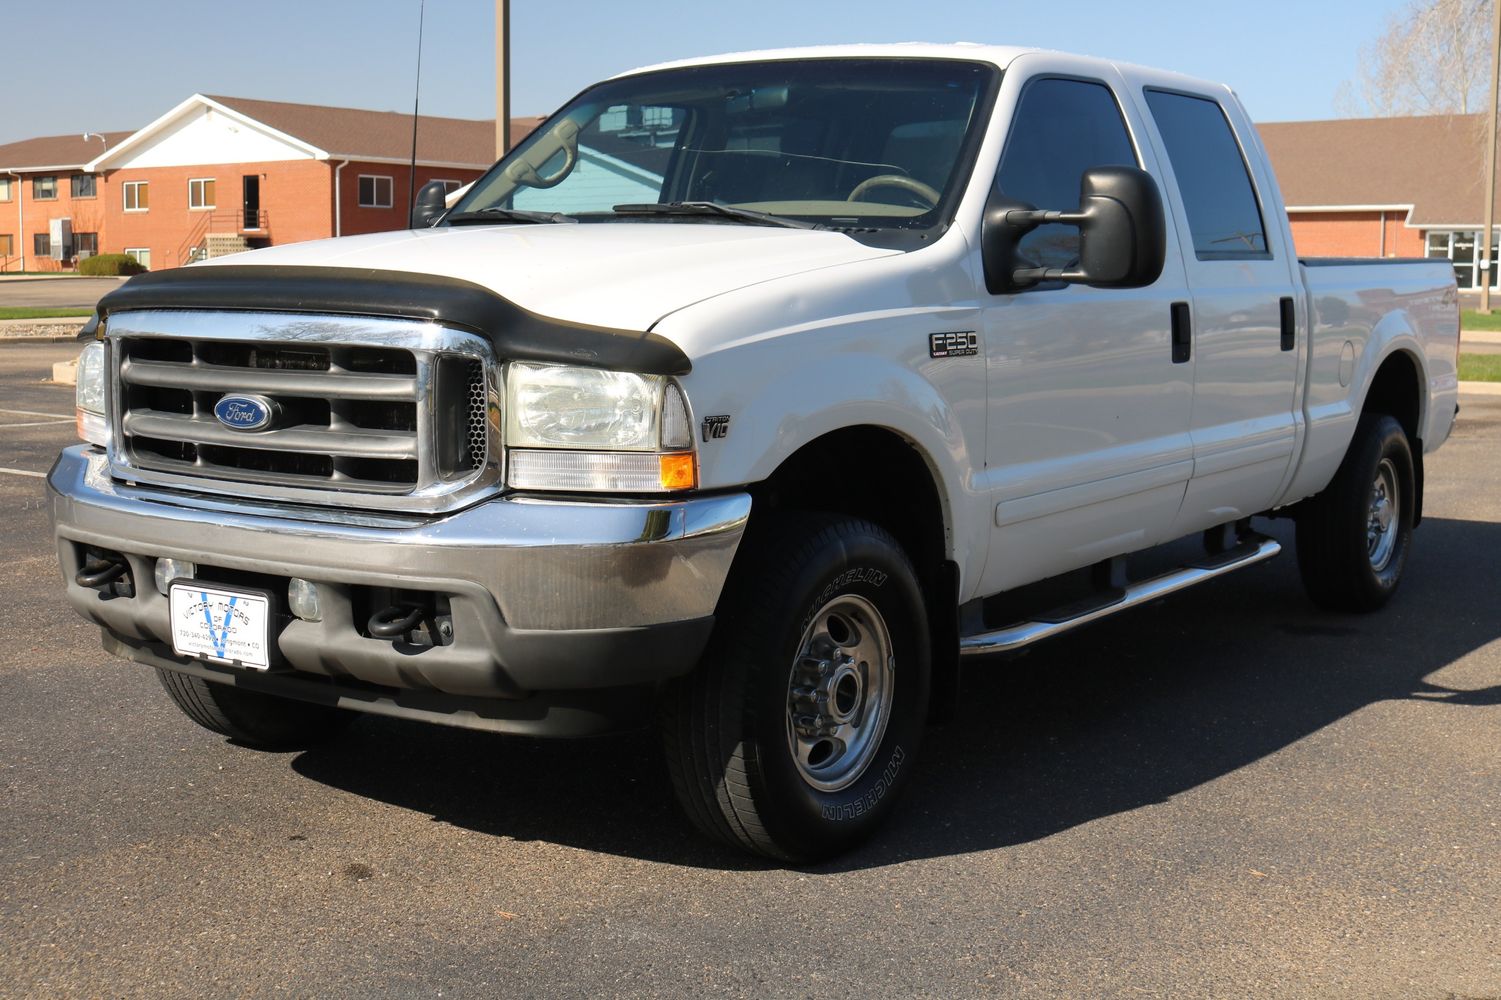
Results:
x,y
1062,128
1223,215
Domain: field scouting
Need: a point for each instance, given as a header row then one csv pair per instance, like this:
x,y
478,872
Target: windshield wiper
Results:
x,y
498,214
709,209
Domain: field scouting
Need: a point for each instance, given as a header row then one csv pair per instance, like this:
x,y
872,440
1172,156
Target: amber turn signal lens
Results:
x,y
678,471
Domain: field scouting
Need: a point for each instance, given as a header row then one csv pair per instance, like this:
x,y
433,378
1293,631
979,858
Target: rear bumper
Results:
x,y
545,595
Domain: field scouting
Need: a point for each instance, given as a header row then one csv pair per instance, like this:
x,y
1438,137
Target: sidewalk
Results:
x,y
1487,337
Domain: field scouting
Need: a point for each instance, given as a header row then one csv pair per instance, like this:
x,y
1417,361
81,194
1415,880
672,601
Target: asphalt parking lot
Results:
x,y
1228,794
55,292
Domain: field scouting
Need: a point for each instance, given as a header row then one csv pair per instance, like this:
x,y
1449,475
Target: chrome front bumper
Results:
x,y
546,595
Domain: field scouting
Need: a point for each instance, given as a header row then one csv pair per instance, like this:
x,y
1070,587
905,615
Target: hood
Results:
x,y
624,275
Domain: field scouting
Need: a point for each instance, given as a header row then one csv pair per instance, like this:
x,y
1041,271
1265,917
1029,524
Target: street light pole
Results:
x,y
1490,165
502,77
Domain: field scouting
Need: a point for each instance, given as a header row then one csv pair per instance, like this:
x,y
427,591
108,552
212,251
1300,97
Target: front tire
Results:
x,y
1353,538
799,727
256,720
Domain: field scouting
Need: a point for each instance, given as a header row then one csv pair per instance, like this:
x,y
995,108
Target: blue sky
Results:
x,y
98,65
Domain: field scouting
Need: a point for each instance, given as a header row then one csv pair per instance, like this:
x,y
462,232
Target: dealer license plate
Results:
x,y
225,625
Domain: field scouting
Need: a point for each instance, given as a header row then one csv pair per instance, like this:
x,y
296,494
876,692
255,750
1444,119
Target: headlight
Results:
x,y
559,406
90,394
571,428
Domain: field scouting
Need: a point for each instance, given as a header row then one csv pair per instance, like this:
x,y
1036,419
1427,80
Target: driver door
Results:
x,y
1088,449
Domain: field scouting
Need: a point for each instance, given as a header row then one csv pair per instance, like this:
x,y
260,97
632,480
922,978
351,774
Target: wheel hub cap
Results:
x,y
839,693
1381,524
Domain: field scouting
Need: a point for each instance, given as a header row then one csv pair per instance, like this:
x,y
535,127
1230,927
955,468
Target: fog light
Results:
x,y
302,598
168,570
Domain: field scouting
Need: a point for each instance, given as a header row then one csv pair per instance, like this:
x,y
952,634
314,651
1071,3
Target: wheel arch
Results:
x,y
910,504
1396,390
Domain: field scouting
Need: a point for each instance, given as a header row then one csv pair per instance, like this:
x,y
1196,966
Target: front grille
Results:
x,y
387,409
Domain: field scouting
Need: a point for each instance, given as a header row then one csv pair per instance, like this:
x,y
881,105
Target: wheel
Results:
x,y
795,733
260,721
1353,538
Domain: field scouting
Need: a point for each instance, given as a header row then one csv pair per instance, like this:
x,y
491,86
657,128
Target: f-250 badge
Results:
x,y
953,345
716,428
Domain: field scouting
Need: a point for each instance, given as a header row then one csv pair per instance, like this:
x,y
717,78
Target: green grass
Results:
x,y
1469,319
1480,367
42,312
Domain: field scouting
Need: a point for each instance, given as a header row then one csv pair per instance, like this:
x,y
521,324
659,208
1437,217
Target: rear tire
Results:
x,y
798,729
256,720
1353,538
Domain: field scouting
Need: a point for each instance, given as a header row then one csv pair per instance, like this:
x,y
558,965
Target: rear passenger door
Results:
x,y
1242,278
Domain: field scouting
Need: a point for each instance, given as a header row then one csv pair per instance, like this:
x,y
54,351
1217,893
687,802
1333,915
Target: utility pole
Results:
x,y
502,77
1490,164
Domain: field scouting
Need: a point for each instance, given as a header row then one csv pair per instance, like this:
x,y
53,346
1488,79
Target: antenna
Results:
x,y
416,95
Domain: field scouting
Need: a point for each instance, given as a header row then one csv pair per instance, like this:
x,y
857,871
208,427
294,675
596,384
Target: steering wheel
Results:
x,y
909,184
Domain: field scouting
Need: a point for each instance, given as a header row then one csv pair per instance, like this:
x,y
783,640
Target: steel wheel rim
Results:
x,y
1382,520
839,693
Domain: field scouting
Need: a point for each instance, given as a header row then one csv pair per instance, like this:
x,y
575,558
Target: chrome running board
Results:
x,y
1252,550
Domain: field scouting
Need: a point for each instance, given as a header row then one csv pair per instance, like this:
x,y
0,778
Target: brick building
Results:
x,y
220,174
1385,187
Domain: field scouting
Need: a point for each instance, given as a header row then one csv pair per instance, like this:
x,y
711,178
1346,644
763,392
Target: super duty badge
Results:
x,y
953,345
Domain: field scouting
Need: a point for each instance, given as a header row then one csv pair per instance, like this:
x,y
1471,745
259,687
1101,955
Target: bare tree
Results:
x,y
1432,58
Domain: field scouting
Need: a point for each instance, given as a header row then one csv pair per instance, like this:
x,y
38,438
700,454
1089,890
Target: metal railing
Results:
x,y
240,222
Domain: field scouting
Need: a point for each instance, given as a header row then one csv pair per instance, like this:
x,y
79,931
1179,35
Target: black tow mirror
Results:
x,y
432,202
1122,234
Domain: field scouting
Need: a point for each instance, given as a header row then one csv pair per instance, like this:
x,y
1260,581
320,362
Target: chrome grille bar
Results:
x,y
359,418
356,441
223,378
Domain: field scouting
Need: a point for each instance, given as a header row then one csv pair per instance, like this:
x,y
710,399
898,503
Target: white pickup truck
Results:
x,y
749,395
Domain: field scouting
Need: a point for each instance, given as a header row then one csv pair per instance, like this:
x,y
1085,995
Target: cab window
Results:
x,y
1062,128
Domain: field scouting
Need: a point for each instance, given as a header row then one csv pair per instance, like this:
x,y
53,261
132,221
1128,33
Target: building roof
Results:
x,y
382,135
1432,165
326,133
55,152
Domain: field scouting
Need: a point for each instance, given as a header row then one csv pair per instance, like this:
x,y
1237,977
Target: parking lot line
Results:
x,y
36,413
38,423
23,472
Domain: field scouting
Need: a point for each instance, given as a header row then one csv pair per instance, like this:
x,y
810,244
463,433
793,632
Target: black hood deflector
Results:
x,y
349,291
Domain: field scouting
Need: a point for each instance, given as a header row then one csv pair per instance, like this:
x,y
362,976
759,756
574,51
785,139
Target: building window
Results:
x,y
141,255
85,244
201,193
43,188
84,185
7,244
375,192
5,194
41,244
1461,248
137,196
449,187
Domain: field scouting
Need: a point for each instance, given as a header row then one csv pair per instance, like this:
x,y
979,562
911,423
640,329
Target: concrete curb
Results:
x,y
1480,388
1480,337
56,328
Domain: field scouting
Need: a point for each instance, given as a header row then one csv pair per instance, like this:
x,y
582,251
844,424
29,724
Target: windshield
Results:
x,y
865,144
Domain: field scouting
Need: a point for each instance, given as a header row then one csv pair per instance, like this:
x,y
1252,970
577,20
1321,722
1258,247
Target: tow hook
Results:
x,y
413,625
106,572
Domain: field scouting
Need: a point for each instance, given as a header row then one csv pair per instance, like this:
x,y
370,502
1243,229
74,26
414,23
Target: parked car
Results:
x,y
745,396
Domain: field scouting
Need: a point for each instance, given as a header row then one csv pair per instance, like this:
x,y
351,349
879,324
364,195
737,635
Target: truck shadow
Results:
x,y
1114,718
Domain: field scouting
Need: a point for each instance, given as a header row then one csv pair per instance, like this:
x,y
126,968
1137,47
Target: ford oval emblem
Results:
x,y
245,413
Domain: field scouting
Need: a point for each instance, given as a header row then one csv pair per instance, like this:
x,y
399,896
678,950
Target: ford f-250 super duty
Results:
x,y
748,394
